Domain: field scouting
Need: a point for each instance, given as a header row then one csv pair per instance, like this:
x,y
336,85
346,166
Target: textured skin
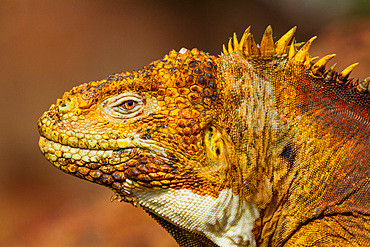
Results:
x,y
286,137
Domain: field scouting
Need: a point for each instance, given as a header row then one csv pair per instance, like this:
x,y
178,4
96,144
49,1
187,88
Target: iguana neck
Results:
x,y
254,124
274,136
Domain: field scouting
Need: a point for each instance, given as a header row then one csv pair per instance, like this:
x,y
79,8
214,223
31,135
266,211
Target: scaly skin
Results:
x,y
260,146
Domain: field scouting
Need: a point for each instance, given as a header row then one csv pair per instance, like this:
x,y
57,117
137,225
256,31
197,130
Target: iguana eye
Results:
x,y
125,105
129,104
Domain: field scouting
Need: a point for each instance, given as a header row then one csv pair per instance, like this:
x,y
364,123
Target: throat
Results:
x,y
226,220
183,237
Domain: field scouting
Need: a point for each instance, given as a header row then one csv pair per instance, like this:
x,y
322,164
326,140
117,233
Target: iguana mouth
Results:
x,y
54,151
112,167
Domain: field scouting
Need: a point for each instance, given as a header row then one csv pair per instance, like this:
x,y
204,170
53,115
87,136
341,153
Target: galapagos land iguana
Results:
x,y
260,146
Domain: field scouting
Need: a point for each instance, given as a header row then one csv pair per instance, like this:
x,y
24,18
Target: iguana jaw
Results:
x,y
219,219
122,170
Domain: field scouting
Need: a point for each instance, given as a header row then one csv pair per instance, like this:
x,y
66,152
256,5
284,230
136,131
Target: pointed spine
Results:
x,y
230,47
345,73
302,54
242,40
297,45
319,66
282,44
250,48
364,85
313,59
307,62
292,50
267,44
330,74
224,50
236,45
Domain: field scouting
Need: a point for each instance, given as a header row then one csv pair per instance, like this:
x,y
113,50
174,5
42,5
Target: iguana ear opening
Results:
x,y
215,146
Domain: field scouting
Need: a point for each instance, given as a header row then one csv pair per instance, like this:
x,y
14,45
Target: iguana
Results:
x,y
260,146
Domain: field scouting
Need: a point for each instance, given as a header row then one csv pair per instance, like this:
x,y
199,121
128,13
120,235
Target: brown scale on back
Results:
x,y
266,122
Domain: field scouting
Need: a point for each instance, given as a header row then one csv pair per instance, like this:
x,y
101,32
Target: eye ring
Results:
x,y
126,105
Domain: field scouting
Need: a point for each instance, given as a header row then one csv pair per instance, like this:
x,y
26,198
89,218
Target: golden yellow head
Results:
x,y
146,128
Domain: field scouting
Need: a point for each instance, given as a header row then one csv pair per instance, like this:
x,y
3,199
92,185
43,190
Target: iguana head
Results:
x,y
139,129
202,143
148,135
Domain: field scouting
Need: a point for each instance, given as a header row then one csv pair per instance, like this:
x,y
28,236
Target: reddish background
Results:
x,y
47,47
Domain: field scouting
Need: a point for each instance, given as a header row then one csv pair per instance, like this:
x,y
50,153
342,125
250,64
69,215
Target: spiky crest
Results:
x,y
281,48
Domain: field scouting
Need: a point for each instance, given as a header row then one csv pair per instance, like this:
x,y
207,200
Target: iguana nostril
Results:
x,y
64,106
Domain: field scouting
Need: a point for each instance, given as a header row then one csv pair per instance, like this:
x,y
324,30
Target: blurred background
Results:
x,y
47,47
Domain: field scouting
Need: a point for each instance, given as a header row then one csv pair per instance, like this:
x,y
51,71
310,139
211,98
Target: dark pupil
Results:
x,y
130,103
